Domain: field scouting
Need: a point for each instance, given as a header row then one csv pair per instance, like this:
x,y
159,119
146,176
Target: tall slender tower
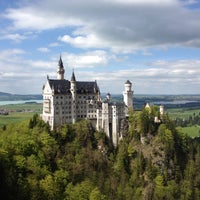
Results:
x,y
61,70
73,92
128,94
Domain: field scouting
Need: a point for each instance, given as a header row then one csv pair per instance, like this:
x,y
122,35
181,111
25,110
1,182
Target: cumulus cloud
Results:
x,y
43,49
104,30
15,37
118,25
16,70
163,77
87,59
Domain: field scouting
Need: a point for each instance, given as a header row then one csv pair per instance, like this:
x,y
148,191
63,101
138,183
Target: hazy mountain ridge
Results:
x,y
14,97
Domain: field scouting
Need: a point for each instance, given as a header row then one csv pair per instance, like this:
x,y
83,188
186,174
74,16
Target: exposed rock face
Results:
x,y
124,125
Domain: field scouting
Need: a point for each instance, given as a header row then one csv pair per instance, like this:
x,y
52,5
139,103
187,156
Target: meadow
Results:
x,y
193,130
19,112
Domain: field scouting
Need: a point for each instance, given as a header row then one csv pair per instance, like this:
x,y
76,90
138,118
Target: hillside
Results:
x,y
154,161
14,97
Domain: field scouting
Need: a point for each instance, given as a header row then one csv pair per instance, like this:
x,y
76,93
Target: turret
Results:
x,y
108,97
73,83
162,110
61,70
73,92
128,94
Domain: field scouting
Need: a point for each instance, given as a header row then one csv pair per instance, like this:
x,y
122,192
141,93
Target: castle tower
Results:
x,y
161,110
115,125
105,118
128,94
73,92
61,70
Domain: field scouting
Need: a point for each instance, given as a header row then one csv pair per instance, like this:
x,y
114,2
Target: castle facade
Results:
x,y
66,101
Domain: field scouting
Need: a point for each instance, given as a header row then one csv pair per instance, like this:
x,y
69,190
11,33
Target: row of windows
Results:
x,y
69,112
61,97
78,107
78,102
79,96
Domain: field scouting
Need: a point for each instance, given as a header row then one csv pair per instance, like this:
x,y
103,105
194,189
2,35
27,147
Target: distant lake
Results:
x,y
19,102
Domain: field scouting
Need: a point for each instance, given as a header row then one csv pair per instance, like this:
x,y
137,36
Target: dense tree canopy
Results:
x,y
76,162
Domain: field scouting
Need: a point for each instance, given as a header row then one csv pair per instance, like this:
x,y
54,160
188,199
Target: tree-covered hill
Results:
x,y
154,161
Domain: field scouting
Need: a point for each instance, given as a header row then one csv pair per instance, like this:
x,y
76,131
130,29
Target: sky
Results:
x,y
153,43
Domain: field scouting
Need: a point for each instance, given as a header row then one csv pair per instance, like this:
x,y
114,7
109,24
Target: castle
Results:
x,y
67,101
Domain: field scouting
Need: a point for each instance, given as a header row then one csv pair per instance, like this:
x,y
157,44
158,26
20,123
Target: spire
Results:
x,y
60,63
61,70
73,77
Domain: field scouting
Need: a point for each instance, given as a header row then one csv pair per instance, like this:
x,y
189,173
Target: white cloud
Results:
x,y
119,25
15,37
87,59
54,44
167,77
43,49
88,41
100,29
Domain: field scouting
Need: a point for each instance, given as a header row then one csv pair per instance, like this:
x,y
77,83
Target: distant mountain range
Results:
x,y
14,97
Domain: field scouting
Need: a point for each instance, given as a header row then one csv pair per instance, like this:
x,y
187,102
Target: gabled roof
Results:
x,y
60,86
63,87
87,87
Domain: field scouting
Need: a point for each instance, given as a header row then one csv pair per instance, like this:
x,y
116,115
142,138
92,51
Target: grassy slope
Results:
x,y
184,113
192,131
181,112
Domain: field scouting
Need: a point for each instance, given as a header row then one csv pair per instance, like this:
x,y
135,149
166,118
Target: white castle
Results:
x,y
67,101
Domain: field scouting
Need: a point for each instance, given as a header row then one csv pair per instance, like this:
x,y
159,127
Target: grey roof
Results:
x,y
73,77
87,87
128,82
63,87
60,63
60,86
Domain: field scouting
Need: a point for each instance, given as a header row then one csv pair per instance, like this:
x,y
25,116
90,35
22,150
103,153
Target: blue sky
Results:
x,y
153,43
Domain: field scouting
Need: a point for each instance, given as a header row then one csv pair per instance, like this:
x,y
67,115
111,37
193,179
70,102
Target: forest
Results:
x,y
154,161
